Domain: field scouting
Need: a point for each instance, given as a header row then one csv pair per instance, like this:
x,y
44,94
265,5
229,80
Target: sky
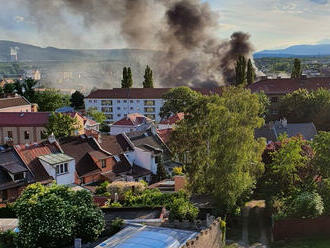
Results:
x,y
272,24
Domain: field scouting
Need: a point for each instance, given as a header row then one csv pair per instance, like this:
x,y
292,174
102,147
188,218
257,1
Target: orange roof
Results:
x,y
173,119
165,134
132,120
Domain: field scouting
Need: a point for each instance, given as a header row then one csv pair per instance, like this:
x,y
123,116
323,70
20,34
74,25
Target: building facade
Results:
x,y
119,102
15,104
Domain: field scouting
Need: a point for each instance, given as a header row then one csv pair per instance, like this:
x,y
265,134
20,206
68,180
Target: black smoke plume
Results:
x,y
184,30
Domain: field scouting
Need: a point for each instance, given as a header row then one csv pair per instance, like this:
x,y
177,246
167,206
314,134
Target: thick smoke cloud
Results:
x,y
184,30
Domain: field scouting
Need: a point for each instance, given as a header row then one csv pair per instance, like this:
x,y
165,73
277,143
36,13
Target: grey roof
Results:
x,y
272,131
139,236
55,158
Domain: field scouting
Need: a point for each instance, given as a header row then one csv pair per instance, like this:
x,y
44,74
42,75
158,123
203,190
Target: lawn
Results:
x,y
313,243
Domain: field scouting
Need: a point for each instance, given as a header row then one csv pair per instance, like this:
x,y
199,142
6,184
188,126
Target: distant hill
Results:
x,y
32,53
296,51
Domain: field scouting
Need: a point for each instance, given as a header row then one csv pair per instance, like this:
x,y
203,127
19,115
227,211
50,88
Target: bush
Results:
x,y
122,187
324,191
7,238
102,189
181,209
110,204
307,205
52,216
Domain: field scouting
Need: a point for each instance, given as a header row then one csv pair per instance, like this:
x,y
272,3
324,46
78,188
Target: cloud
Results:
x,y
320,1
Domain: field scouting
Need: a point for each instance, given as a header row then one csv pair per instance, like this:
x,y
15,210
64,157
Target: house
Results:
x,y
15,104
14,175
117,103
22,127
276,88
131,123
170,122
272,130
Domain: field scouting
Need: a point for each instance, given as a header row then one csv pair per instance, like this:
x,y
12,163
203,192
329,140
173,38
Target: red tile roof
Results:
x,y
23,119
165,134
288,85
13,102
132,120
29,155
173,119
142,93
115,144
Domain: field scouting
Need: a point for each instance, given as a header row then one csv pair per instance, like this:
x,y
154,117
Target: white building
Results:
x,y
59,166
117,103
131,123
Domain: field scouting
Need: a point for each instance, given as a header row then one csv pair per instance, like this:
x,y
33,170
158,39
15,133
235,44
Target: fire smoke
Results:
x,y
184,30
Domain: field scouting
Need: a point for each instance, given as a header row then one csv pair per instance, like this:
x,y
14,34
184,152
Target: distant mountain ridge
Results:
x,y
297,50
33,53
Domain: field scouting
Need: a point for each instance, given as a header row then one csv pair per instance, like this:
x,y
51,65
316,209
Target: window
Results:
x,y
125,101
10,134
62,169
149,110
118,108
131,101
26,135
149,103
103,163
119,115
138,101
109,116
118,101
274,99
106,102
90,101
106,109
131,108
19,176
152,117
95,101
158,159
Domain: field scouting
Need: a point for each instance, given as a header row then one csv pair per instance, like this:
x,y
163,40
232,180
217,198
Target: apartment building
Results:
x,y
117,103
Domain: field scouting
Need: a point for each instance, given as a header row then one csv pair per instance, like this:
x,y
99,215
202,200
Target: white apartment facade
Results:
x,y
117,103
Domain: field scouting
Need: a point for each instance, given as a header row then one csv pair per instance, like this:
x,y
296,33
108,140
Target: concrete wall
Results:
x,y
145,160
63,179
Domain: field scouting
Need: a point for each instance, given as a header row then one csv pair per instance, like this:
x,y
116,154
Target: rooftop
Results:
x,y
23,119
141,93
135,119
55,158
173,119
288,85
13,102
115,144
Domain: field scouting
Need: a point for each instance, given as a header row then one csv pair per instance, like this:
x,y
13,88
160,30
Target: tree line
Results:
x,y
127,81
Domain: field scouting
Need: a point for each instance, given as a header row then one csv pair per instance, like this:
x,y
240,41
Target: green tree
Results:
x,y
240,71
265,104
29,91
178,100
296,70
148,80
321,160
52,216
77,100
1,91
18,87
124,81
97,116
250,74
9,88
129,78
50,100
61,125
217,146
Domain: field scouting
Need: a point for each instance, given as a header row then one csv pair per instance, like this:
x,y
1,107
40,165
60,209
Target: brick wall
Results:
x,y
179,182
210,237
301,228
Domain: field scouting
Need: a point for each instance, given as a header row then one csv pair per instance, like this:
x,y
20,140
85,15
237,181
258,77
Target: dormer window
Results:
x,y
19,176
62,169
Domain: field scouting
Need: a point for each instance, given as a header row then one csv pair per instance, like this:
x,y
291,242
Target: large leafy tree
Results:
x,y
97,116
61,125
9,88
29,91
304,106
321,146
178,100
217,145
240,71
250,73
50,100
296,70
148,80
77,100
52,216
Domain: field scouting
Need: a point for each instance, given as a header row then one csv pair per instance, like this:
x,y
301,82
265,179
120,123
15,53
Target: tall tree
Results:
x,y
124,83
217,145
50,100
9,88
296,70
18,87
77,100
250,74
148,79
321,145
240,71
129,78
29,91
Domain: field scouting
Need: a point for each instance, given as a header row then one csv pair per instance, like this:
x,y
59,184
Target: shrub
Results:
x,y
181,209
114,227
110,204
324,191
7,238
122,187
307,205
177,171
102,189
